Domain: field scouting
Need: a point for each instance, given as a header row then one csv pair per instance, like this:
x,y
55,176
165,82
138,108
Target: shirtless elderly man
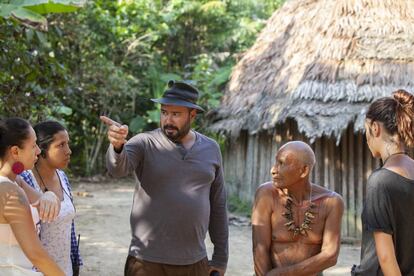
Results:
x,y
296,224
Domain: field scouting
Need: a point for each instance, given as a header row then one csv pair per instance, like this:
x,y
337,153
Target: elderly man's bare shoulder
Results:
x,y
267,187
264,201
331,198
266,191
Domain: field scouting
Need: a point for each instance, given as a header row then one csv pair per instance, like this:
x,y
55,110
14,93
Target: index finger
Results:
x,y
109,122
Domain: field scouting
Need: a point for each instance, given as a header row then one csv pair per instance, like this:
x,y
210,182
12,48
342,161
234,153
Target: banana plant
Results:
x,y
31,12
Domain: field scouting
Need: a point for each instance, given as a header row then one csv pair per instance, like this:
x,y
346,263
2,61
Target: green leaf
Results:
x,y
153,116
29,34
137,124
214,6
29,17
64,110
52,8
169,76
19,2
42,38
29,10
6,9
213,102
39,2
222,76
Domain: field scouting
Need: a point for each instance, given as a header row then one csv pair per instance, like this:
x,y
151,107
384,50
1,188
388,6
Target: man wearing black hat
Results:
x,y
179,193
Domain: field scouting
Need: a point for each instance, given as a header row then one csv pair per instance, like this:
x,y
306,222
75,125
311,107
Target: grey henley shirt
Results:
x,y
179,195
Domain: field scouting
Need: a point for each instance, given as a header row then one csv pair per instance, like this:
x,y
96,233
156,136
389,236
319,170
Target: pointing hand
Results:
x,y
117,133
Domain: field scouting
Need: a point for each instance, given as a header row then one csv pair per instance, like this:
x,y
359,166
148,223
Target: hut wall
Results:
x,y
343,168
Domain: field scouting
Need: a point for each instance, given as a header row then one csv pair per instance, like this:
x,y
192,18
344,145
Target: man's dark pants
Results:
x,y
138,267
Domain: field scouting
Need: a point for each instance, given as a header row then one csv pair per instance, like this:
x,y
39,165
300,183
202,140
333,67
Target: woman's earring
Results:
x,y
18,167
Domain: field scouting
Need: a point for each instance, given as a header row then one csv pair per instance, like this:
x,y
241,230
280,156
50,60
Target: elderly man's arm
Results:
x,y
262,229
330,245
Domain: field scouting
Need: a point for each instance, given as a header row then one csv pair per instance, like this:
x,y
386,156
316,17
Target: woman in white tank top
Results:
x,y
20,248
57,237
12,259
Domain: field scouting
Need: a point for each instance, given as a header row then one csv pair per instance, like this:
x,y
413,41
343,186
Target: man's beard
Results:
x,y
179,134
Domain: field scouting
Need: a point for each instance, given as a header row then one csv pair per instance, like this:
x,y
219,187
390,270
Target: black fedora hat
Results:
x,y
180,93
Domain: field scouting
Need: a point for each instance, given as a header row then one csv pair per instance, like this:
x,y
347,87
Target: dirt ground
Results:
x,y
103,223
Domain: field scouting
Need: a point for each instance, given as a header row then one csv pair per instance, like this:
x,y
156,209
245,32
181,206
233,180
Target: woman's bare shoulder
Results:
x,y
10,192
9,187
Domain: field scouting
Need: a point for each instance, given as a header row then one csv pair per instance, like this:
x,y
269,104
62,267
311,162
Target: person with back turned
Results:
x,y
388,216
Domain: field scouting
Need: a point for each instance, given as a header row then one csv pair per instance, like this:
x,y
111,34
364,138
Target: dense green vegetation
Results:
x,y
110,57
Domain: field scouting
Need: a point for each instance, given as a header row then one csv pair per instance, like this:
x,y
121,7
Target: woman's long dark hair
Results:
x,y
397,115
13,132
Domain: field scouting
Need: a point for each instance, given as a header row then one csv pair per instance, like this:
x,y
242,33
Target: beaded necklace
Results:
x,y
309,216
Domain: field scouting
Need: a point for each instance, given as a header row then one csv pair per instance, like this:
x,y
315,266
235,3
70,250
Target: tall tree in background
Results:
x,y
111,57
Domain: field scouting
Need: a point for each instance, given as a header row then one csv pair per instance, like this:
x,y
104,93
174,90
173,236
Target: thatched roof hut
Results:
x,y
320,62
310,76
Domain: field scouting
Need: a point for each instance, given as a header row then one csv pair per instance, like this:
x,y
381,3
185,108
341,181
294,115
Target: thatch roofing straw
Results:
x,y
320,62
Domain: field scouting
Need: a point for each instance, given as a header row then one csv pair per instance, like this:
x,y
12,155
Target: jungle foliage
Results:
x,y
111,57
